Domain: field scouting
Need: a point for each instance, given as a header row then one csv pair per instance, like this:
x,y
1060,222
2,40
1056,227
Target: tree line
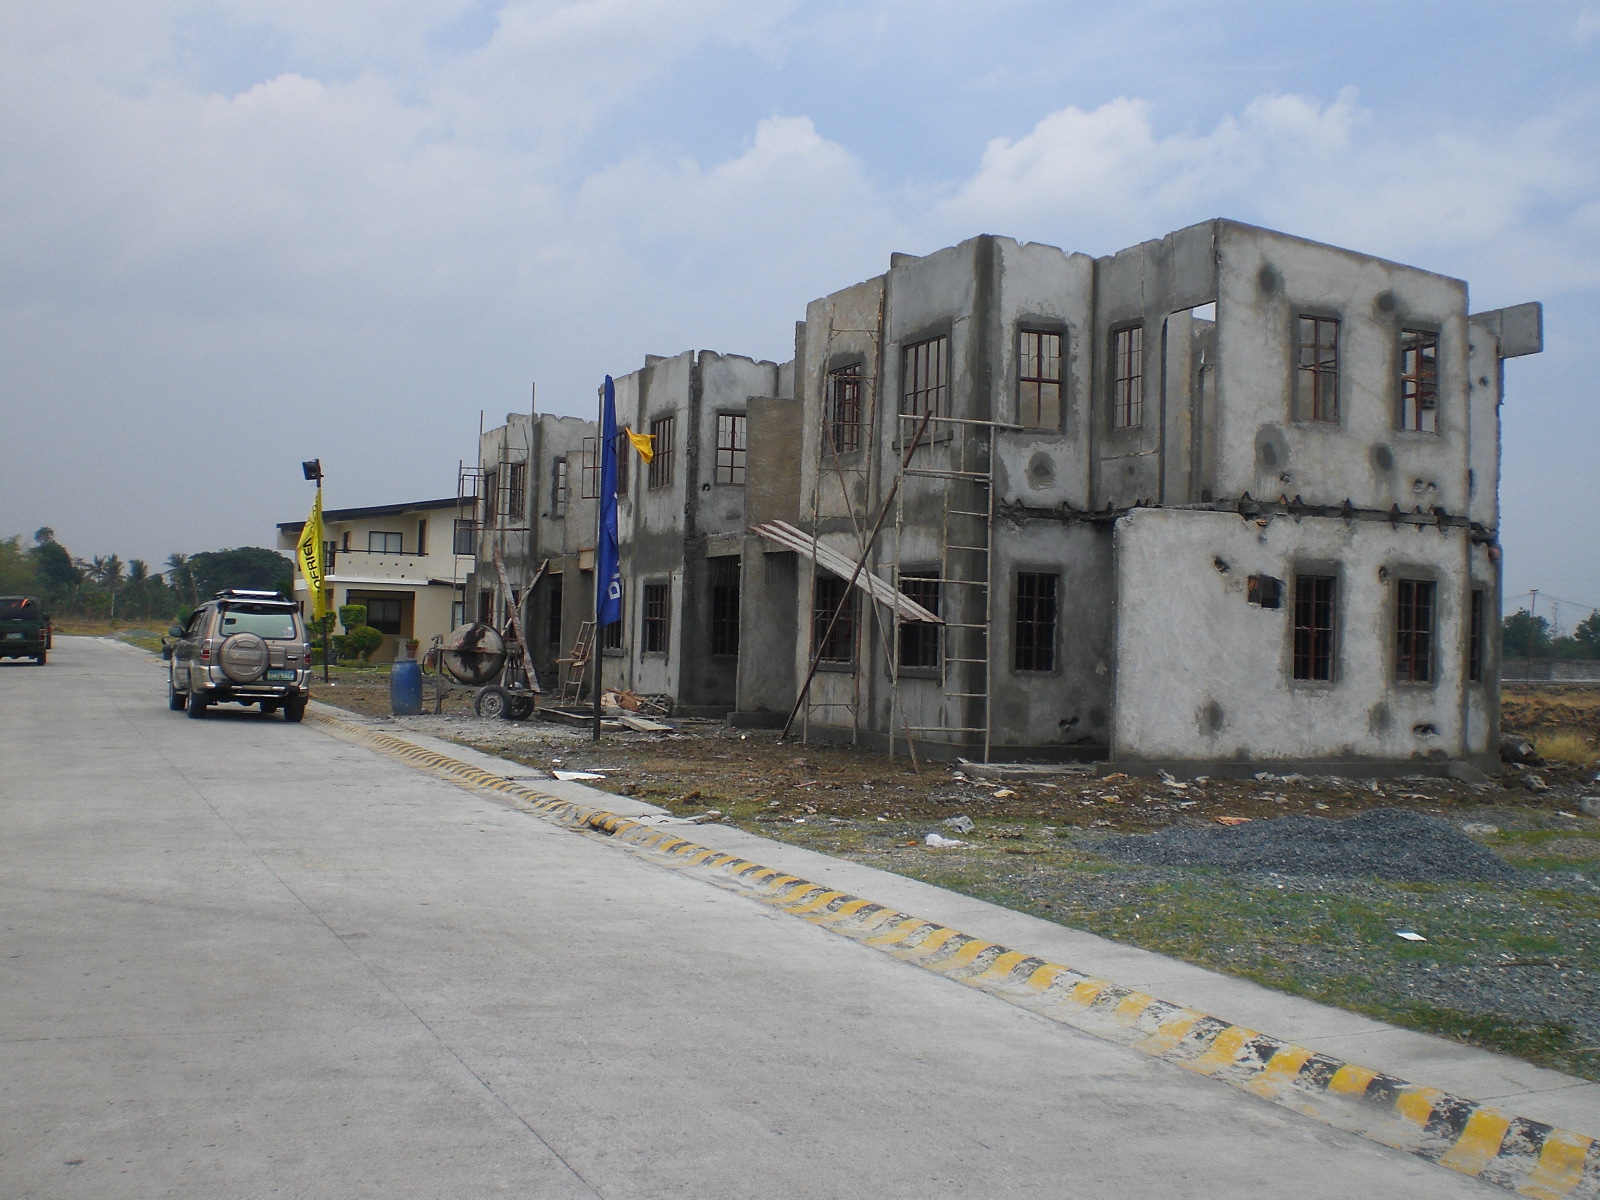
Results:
x,y
106,588
1528,636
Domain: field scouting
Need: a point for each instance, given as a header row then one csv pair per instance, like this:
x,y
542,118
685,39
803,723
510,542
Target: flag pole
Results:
x,y
595,638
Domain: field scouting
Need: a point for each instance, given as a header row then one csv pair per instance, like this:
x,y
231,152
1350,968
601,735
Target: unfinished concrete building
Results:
x,y
1216,501
1226,497
681,521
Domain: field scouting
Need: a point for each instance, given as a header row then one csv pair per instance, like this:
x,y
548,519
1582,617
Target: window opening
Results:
x,y
730,447
625,454
381,542
1127,377
553,614
1039,380
1313,626
558,488
611,635
517,501
844,410
919,640
1419,380
465,537
922,386
383,613
661,465
724,573
1035,635
1318,373
834,595
491,497
656,601
1414,632
422,537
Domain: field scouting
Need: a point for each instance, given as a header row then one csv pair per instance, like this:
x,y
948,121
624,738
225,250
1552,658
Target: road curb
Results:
x,y
1528,1157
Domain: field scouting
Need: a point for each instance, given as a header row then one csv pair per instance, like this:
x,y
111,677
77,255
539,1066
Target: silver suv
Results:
x,y
241,647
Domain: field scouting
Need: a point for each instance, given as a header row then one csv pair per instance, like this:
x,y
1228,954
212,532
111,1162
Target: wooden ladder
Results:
x,y
573,667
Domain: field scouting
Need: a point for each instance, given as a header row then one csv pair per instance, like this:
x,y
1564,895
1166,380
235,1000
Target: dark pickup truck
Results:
x,y
24,629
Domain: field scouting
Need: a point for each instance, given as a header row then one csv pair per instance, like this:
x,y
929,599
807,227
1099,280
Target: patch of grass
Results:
x,y
1534,1041
1566,746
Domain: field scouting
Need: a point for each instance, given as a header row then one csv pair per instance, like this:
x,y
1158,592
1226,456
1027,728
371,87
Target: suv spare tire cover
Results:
x,y
243,657
473,654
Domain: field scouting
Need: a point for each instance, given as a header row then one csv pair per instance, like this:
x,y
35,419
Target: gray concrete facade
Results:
x,y
1226,496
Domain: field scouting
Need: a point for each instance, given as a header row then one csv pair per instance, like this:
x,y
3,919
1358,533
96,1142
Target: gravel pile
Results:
x,y
1390,843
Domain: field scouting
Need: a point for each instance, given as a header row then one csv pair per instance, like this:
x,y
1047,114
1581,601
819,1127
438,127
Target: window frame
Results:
x,y
624,451
491,498
1415,414
467,526
920,394
1039,379
1477,629
394,542
517,490
663,472
1022,619
589,469
1127,375
843,417
732,445
655,617
838,651
1317,383
722,587
1411,664
560,486
1314,642
921,637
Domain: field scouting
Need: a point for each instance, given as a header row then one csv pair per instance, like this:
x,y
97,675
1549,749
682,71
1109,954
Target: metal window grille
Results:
x,y
724,574
1419,380
589,469
1127,377
730,447
465,537
923,387
919,640
625,454
380,542
1475,636
834,595
485,607
558,488
517,501
1414,632
1035,636
611,635
1318,373
843,425
491,497
1039,380
656,602
1313,626
661,465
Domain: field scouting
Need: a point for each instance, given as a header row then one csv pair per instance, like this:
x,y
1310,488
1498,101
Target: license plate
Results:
x,y
13,637
280,675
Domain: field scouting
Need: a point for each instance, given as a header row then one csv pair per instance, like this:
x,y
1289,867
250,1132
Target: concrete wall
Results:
x,y
1204,675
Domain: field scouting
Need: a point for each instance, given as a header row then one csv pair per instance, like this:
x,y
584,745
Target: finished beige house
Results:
x,y
400,560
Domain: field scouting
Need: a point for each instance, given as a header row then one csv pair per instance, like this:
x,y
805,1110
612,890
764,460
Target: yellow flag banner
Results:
x,y
312,567
644,443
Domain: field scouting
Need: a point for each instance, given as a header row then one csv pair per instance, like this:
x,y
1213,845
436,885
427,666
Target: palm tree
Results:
x,y
139,583
181,579
106,570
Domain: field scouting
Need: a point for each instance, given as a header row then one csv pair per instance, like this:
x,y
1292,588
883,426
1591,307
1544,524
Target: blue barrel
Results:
x,y
405,688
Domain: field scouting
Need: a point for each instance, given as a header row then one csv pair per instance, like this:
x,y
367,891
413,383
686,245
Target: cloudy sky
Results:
x,y
239,233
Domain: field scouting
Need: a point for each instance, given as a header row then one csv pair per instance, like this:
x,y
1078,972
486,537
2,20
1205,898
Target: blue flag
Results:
x,y
608,564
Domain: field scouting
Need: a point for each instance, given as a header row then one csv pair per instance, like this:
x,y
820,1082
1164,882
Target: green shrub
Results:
x,y
352,616
361,642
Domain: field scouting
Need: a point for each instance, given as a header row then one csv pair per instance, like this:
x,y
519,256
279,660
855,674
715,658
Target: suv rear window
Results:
x,y
11,609
257,619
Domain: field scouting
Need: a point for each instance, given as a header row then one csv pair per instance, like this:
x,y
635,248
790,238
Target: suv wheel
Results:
x,y
174,697
294,708
196,704
41,658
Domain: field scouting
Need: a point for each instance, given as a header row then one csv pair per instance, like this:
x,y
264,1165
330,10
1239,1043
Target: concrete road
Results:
x,y
242,958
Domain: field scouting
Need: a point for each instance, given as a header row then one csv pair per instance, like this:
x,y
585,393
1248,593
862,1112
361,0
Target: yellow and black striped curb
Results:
x,y
1525,1156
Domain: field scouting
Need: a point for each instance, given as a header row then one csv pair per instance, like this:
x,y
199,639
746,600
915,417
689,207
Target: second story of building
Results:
x,y
388,544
